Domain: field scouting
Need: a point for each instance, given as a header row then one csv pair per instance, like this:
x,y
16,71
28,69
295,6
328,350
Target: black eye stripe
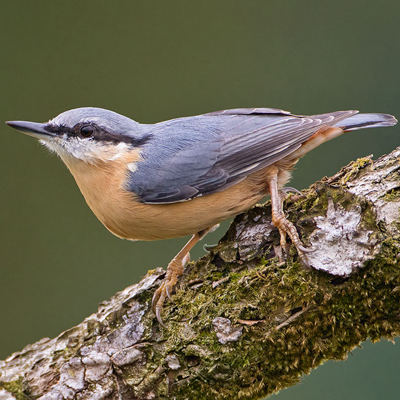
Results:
x,y
59,130
99,134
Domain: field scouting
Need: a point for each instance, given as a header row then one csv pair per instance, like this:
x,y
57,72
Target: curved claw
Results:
x,y
154,301
158,316
306,249
158,301
209,247
168,291
289,189
155,298
305,262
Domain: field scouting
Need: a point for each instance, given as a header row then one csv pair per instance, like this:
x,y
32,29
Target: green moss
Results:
x,y
16,388
393,195
354,169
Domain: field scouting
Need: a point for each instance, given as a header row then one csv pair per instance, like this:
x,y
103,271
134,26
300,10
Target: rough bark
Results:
x,y
241,324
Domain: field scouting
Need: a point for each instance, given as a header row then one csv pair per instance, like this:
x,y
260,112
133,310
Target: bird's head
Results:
x,y
88,134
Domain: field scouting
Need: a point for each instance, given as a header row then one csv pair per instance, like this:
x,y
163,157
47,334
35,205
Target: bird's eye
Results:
x,y
86,131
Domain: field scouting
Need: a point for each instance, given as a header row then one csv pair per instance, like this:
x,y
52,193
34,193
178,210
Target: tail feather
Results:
x,y
361,121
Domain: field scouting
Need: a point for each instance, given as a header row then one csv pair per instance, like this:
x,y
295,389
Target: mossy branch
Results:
x,y
241,325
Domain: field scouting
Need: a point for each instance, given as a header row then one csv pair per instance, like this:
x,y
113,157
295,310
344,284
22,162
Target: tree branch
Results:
x,y
241,325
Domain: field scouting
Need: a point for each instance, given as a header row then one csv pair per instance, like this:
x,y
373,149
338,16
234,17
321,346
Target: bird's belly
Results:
x,y
138,221
126,217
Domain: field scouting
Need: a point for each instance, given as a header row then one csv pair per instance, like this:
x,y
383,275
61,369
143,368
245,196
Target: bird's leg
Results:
x,y
279,220
174,270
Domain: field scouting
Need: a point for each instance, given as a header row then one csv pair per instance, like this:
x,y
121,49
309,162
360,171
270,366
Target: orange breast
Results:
x,y
126,217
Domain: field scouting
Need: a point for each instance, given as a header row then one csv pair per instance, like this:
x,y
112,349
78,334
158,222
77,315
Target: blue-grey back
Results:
x,y
195,156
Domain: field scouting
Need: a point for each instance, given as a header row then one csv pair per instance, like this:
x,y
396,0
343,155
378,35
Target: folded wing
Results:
x,y
205,154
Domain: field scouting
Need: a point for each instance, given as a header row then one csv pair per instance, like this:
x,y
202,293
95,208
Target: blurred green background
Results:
x,y
153,60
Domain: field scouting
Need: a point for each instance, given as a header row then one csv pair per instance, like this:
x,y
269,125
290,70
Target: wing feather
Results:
x,y
201,155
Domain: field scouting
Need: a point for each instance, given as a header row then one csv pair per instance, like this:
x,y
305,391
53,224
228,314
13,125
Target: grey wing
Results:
x,y
211,152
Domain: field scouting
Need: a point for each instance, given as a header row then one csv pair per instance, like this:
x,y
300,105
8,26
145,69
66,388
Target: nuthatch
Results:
x,y
184,176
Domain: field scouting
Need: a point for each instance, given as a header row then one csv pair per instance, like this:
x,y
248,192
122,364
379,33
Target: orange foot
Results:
x,y
174,270
286,228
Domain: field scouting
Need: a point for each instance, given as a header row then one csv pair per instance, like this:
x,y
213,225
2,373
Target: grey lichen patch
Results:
x,y
197,351
375,185
341,243
71,381
172,361
381,187
389,212
72,374
131,329
128,356
97,366
252,235
225,331
186,333
98,392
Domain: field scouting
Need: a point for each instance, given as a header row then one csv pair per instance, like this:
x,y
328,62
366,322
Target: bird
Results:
x,y
185,175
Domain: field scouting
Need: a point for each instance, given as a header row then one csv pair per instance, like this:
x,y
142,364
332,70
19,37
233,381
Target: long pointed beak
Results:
x,y
34,129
